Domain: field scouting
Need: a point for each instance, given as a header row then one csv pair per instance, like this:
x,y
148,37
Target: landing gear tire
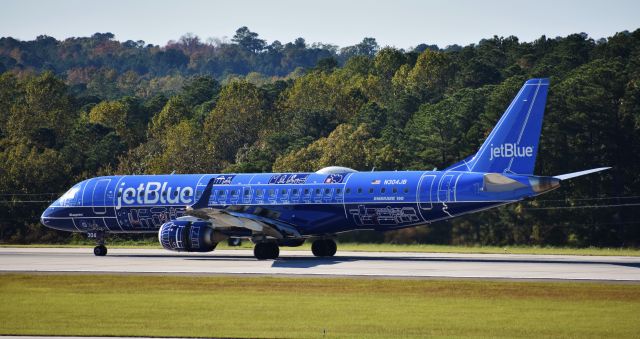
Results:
x,y
266,250
324,248
98,235
100,250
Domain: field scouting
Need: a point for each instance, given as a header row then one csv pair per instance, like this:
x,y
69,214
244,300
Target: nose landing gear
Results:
x,y
100,250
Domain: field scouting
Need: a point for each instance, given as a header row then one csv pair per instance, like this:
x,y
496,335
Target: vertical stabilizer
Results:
x,y
512,145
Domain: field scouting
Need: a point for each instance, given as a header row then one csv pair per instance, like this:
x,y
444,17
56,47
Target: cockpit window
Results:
x,y
70,194
70,197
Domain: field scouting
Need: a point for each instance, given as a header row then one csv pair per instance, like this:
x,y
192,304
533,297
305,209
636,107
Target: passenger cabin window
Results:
x,y
406,190
359,190
295,191
338,191
382,190
395,190
371,190
348,190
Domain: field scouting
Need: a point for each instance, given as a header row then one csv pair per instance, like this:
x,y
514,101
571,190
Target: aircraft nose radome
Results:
x,y
49,219
46,214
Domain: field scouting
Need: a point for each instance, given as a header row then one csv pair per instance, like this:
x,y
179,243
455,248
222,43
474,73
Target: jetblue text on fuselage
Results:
x,y
152,193
510,151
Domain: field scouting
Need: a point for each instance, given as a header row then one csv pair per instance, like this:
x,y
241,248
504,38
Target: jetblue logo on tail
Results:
x,y
510,151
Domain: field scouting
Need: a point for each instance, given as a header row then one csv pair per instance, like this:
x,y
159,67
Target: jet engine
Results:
x,y
187,236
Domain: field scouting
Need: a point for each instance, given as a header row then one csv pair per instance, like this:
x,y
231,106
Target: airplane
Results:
x,y
194,212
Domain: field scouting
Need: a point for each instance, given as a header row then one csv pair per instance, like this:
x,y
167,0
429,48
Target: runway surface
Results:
x,y
374,264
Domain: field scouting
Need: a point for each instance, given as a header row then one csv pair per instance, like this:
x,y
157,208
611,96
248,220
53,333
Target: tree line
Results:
x,y
83,107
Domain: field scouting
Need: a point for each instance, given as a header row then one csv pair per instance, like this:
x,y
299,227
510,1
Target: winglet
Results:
x,y
204,198
581,173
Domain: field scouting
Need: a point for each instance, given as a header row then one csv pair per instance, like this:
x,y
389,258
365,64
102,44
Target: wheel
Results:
x,y
100,250
275,251
258,251
266,250
331,248
324,248
317,248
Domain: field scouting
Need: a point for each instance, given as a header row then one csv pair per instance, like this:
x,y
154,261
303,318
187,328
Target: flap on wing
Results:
x,y
224,218
494,182
286,230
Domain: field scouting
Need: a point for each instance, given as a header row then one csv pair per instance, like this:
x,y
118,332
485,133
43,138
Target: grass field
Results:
x,y
397,248
313,307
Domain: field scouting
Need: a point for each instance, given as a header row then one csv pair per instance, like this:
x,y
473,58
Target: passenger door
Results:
x,y
99,196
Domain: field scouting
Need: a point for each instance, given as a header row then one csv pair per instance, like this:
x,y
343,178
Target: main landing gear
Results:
x,y
266,250
324,248
100,250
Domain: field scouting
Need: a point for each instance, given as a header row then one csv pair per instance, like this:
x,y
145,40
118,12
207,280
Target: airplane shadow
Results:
x,y
307,261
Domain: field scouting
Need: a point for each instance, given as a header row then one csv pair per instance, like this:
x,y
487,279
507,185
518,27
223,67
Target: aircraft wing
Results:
x,y
228,218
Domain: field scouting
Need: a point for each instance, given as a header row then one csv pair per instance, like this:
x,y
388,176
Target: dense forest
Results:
x,y
89,106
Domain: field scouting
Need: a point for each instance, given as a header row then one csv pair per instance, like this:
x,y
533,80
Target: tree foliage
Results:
x,y
88,106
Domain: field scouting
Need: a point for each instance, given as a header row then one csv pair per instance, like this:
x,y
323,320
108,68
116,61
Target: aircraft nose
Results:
x,y
51,217
44,218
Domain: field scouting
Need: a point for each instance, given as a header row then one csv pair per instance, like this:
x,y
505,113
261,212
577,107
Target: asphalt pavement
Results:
x,y
303,263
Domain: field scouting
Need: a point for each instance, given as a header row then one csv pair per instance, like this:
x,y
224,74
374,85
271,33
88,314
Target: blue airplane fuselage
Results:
x,y
195,212
314,203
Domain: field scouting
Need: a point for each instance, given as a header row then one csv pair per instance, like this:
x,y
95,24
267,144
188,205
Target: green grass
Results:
x,y
488,249
394,248
128,305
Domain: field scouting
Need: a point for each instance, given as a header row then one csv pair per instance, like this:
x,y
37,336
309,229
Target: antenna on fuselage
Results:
x,y
373,169
173,172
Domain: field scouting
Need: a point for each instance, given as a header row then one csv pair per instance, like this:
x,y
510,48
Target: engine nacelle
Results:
x,y
187,236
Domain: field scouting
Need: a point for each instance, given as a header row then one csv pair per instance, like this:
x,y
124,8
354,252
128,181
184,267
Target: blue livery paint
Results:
x,y
301,205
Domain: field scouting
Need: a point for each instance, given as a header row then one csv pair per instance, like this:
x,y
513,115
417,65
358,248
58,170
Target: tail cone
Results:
x,y
543,184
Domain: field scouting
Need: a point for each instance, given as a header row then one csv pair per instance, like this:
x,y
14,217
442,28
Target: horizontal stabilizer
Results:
x,y
581,173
